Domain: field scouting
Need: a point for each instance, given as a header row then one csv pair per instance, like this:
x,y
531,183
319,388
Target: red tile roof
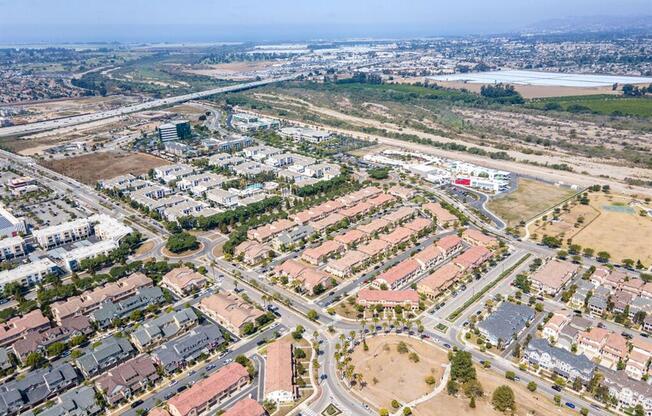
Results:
x,y
246,407
205,390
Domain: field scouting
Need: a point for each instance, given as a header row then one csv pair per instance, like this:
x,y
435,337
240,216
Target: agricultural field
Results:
x,y
527,403
599,104
391,375
529,199
92,167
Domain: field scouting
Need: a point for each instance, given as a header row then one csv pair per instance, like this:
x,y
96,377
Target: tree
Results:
x,y
452,387
34,360
639,410
383,412
180,242
588,252
396,404
55,349
472,388
603,256
407,411
402,347
297,334
522,282
430,380
312,315
462,369
532,386
503,399
510,375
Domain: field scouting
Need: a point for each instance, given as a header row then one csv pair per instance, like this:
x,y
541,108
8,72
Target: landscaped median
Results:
x,y
453,316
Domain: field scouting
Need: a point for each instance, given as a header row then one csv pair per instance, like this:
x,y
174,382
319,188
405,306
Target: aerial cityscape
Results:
x,y
364,208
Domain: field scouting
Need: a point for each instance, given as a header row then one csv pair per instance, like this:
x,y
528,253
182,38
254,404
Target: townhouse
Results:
x,y
246,407
444,217
317,255
159,329
351,237
267,232
472,258
345,265
127,379
178,353
627,392
36,387
506,323
80,401
553,327
279,373
553,276
478,238
230,311
559,361
210,391
329,221
175,172
223,160
398,275
35,341
110,311
19,326
407,299
98,358
252,252
439,281
183,281
291,237
376,226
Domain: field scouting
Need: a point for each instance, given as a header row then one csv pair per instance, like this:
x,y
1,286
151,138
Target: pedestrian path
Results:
x,y
436,391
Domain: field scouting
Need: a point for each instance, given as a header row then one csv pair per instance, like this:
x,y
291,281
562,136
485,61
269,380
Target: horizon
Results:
x,y
43,22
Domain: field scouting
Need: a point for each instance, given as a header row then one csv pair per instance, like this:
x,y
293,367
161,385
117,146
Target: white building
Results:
x,y
10,226
73,258
28,274
66,232
223,198
12,247
169,173
305,134
109,228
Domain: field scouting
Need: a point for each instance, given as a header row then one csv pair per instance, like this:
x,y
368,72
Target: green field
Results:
x,y
600,104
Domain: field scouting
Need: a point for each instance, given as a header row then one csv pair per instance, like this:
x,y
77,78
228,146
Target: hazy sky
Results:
x,y
215,20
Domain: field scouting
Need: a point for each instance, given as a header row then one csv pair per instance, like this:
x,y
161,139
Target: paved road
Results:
x,y
148,105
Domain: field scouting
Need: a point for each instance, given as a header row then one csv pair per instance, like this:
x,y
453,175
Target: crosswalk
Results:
x,y
306,411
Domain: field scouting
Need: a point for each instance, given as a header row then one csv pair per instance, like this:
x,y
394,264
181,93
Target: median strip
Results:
x,y
453,316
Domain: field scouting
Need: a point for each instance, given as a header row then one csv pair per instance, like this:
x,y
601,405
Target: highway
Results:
x,y
148,105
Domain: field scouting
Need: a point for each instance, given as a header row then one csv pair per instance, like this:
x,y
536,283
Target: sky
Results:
x,y
53,21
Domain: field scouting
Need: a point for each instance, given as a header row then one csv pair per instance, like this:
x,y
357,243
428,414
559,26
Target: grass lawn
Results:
x,y
603,104
527,403
390,375
530,198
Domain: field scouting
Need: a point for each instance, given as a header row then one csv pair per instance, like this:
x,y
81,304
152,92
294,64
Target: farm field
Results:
x,y
391,375
104,165
601,104
527,403
530,198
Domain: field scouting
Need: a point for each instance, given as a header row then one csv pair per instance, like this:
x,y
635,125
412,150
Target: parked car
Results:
x,y
570,405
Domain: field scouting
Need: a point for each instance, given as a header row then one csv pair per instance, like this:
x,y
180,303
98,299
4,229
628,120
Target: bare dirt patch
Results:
x,y
530,198
144,248
619,230
104,165
527,403
391,375
534,91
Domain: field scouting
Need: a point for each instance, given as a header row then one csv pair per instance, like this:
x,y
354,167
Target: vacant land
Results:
x,y
601,104
105,165
567,225
391,375
530,198
527,403
619,229
534,91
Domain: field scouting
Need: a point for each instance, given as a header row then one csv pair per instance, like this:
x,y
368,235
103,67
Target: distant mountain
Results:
x,y
591,24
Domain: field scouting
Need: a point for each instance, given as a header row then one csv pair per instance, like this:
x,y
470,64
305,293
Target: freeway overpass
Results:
x,y
148,105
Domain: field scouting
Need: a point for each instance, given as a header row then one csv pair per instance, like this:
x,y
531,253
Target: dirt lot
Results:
x,y
396,376
232,70
105,165
527,403
620,231
567,225
530,198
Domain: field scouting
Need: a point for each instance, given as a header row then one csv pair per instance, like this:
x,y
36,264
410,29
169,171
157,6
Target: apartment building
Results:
x,y
98,358
177,353
168,325
28,274
183,280
10,226
230,311
126,380
19,326
64,233
279,373
553,276
12,247
407,299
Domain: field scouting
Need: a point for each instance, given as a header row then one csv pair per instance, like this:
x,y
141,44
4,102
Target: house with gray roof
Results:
x,y
36,387
640,304
80,401
5,362
178,353
568,334
164,327
110,310
506,323
111,352
597,303
627,391
293,236
559,361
